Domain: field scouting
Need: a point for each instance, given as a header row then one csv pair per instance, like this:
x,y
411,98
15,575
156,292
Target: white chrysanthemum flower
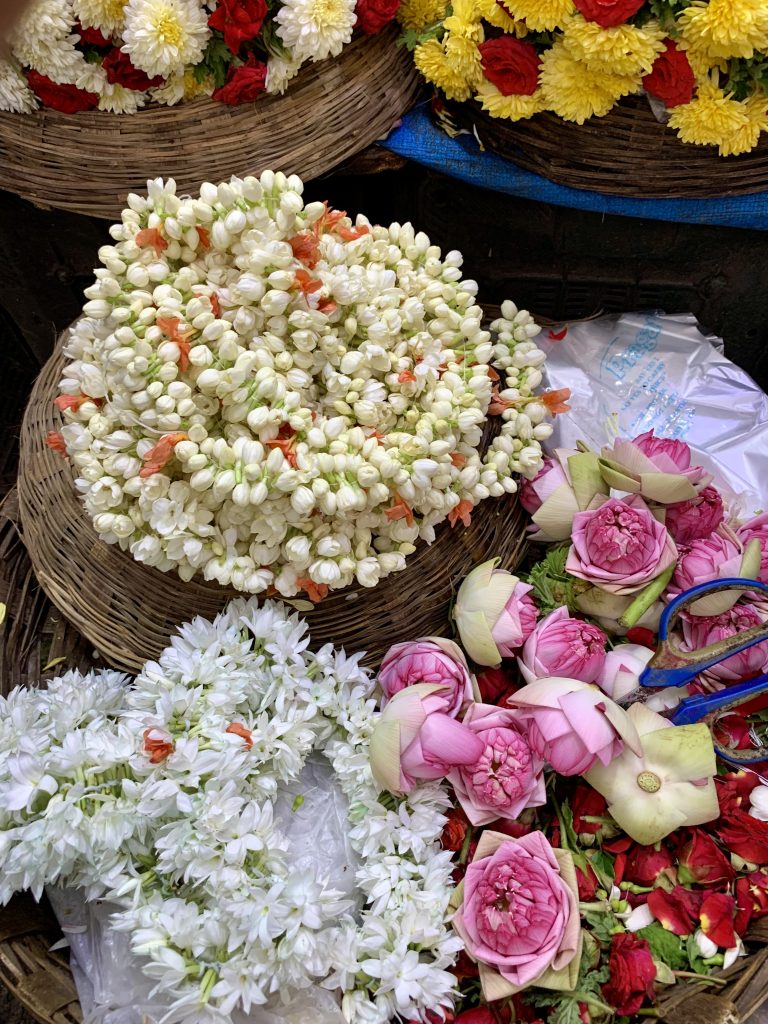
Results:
x,y
316,29
42,39
116,99
106,15
162,36
15,94
92,78
280,72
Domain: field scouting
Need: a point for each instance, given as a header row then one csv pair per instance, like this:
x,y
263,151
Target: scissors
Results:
x,y
671,666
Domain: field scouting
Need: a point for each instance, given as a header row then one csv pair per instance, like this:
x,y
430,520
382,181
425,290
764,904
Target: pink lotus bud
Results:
x,y
619,547
621,670
534,492
562,646
719,556
414,739
665,451
433,660
568,483
701,630
494,614
757,529
656,468
696,518
506,776
573,725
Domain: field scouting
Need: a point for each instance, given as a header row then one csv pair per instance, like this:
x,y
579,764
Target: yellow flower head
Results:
x,y
714,119
514,108
725,28
193,88
496,14
624,50
465,20
450,65
541,15
418,14
576,92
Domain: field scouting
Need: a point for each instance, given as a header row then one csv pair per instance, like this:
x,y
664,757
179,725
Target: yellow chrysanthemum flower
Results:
x,y
714,119
496,14
418,14
514,108
541,15
449,66
624,50
725,28
576,92
465,20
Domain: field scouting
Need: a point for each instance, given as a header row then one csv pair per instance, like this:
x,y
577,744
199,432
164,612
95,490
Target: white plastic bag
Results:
x,y
642,371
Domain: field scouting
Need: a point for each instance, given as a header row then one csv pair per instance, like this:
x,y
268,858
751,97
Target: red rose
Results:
x,y
373,15
645,864
482,1015
92,37
511,65
745,836
751,899
632,974
608,13
701,862
454,830
587,803
588,883
733,790
643,636
244,84
465,967
734,731
716,915
671,78
493,683
120,71
67,99
240,21
678,910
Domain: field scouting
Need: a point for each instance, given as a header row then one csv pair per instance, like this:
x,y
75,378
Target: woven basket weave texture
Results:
x,y
626,153
89,162
128,610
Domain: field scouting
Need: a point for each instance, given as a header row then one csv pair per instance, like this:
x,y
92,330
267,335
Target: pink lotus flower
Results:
x,y
699,630
657,468
719,556
431,659
562,646
619,547
621,670
414,739
566,484
757,529
519,915
572,725
696,518
493,612
506,776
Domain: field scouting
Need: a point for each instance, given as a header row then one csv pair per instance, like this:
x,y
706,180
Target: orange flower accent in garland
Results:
x,y
315,591
160,454
239,730
463,512
153,238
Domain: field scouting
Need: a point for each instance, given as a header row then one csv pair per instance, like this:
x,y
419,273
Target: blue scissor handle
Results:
x,y
671,666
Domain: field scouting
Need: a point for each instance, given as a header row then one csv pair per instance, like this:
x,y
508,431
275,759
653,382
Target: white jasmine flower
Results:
x,y
315,29
162,36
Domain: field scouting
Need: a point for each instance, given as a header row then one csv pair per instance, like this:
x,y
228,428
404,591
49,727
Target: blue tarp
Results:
x,y
419,139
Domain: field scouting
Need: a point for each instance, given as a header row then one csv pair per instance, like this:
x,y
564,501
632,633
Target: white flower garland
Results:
x,y
188,845
267,395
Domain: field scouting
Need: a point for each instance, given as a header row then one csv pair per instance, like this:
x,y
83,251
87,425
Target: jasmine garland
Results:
x,y
270,396
161,796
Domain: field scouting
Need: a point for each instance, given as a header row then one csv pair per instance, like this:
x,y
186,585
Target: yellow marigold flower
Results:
x,y
464,55
418,14
746,138
465,20
541,15
432,60
713,119
624,50
725,28
514,108
496,14
574,91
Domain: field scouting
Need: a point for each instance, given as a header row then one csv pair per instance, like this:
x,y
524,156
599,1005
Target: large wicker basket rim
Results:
x,y
89,162
628,152
128,610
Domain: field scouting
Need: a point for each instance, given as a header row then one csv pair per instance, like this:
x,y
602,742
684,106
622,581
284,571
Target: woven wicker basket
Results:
x,y
89,162
626,153
128,610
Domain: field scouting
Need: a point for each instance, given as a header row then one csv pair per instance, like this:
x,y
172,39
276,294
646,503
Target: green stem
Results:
x,y
705,978
646,598
465,847
584,997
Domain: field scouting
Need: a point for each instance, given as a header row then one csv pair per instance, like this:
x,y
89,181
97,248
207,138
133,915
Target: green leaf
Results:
x,y
695,959
665,946
602,865
552,586
601,924
413,37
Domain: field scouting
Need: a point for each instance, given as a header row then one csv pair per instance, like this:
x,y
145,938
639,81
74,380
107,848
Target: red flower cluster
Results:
x,y
120,71
671,78
608,13
374,15
511,65
632,974
240,21
244,84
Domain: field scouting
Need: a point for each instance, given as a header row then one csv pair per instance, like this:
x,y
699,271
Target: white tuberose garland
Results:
x,y
188,845
263,393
